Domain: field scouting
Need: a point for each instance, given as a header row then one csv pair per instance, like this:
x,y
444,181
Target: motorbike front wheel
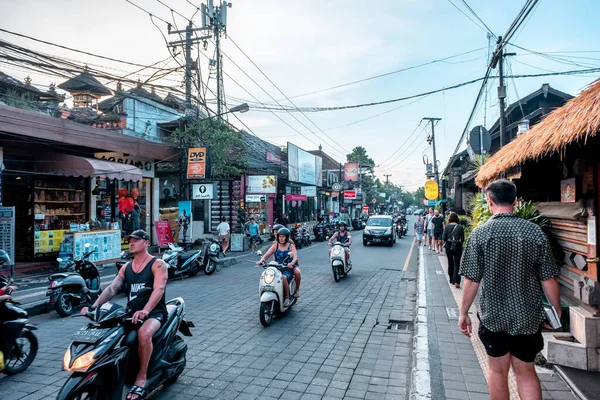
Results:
x,y
21,357
266,313
195,268
336,273
210,267
87,393
64,304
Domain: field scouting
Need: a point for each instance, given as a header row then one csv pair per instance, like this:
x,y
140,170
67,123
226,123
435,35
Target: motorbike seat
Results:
x,y
131,338
186,255
60,275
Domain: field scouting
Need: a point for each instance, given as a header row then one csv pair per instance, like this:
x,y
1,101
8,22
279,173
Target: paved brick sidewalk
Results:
x,y
462,361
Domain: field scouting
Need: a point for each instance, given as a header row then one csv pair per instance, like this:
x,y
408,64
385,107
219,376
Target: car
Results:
x,y
379,229
419,211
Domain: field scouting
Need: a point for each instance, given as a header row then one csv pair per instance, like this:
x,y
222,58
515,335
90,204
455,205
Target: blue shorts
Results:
x,y
429,232
419,236
289,274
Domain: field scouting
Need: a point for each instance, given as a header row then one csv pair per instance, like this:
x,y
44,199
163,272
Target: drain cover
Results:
x,y
408,279
400,326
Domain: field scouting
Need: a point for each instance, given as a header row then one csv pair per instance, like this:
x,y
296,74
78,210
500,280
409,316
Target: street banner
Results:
x,y
184,222
164,234
431,190
262,184
196,168
351,172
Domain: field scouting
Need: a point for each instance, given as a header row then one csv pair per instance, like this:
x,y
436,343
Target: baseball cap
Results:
x,y
139,234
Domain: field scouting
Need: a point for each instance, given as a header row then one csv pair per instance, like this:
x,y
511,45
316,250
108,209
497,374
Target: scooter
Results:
x,y
212,249
305,235
67,290
19,345
125,258
270,291
182,262
337,258
321,232
103,356
296,237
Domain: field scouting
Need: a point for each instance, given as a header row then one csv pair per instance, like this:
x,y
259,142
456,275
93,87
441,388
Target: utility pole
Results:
x,y
387,179
498,60
432,141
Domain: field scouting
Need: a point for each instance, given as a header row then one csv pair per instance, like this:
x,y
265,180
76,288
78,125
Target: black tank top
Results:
x,y
138,281
342,237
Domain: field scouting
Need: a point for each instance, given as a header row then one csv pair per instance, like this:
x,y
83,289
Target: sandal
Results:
x,y
138,391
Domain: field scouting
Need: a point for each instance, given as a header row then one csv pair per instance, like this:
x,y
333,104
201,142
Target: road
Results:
x,y
335,343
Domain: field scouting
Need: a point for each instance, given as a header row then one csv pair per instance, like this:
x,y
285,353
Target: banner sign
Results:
x,y
256,198
7,232
295,197
184,222
164,234
203,191
146,165
333,177
262,184
273,158
196,168
351,172
431,190
309,191
349,194
106,244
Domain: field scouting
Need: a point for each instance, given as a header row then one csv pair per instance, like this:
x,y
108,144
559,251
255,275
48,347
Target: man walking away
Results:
x,y
453,237
438,229
513,260
419,229
224,232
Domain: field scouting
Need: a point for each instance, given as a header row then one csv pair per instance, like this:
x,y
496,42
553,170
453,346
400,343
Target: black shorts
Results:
x,y
524,347
159,315
437,235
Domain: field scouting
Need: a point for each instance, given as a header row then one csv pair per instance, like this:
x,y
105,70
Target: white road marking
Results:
x,y
420,386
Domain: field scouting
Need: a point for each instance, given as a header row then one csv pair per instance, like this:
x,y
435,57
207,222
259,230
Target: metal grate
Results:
x,y
400,326
408,279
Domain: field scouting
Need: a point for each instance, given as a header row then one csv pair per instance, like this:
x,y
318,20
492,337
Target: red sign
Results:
x,y
273,158
365,208
163,233
295,197
374,200
349,194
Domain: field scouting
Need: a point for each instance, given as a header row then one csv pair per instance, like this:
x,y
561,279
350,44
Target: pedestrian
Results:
x,y
429,238
253,229
224,234
419,228
453,238
438,229
512,259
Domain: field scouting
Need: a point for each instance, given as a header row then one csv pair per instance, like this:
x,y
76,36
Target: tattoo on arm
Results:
x,y
108,293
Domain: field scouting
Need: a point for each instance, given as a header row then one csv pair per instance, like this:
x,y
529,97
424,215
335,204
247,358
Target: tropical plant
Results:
x,y
476,163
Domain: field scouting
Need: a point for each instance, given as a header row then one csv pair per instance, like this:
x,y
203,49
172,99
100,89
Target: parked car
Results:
x,y
379,229
419,211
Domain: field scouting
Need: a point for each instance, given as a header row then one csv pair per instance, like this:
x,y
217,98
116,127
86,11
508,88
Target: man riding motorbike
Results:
x,y
144,271
5,295
343,236
281,249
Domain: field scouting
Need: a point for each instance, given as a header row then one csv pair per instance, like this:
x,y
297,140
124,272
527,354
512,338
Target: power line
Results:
x,y
463,13
477,16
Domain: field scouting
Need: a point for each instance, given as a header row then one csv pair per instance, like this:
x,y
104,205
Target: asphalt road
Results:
x,y
351,339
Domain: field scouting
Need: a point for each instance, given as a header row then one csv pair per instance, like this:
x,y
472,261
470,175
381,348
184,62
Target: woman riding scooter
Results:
x,y
343,236
281,249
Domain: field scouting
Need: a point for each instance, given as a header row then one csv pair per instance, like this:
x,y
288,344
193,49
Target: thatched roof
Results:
x,y
85,83
576,121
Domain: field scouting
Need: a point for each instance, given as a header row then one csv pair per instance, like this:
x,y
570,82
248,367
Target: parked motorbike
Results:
x,y
126,256
182,262
296,237
19,345
103,356
337,258
321,232
67,290
358,224
305,235
270,290
212,250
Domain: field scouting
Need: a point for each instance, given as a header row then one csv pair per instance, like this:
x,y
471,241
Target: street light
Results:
x,y
242,108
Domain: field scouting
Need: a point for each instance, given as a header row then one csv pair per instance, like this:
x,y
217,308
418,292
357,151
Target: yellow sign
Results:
x,y
48,241
431,190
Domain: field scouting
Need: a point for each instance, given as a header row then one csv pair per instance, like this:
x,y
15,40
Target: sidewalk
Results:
x,y
458,364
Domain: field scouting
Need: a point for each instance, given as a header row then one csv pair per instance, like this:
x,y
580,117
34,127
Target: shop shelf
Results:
x,y
59,189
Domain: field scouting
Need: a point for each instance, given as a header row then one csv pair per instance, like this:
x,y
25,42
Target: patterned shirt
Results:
x,y
509,256
420,227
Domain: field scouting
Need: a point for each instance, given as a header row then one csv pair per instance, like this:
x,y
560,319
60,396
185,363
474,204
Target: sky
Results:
x,y
310,45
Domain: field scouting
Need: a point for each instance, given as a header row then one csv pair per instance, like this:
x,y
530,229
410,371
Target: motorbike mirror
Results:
x,y
259,253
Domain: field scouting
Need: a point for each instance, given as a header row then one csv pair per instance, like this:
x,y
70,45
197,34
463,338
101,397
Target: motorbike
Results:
x,y
103,355
358,224
181,262
19,344
296,237
212,249
270,291
321,232
337,258
67,290
305,236
125,258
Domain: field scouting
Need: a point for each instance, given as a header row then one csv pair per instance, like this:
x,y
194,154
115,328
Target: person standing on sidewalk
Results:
x,y
438,229
419,228
453,238
513,260
429,225
224,234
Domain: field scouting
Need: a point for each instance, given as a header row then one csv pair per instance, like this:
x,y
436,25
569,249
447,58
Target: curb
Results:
x,y
570,384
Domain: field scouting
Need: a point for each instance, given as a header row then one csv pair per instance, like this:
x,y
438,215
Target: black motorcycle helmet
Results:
x,y
277,227
285,232
4,258
344,224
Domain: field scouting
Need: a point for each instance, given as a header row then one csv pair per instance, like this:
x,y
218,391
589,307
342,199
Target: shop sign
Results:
x,y
202,191
7,232
336,186
309,191
351,172
349,194
256,198
295,197
262,184
196,168
106,244
332,178
365,208
273,158
431,190
164,234
146,165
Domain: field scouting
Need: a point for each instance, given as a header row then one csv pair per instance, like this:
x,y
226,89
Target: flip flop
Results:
x,y
138,391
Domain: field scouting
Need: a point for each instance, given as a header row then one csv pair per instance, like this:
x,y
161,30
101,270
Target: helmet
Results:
x,y
4,258
285,232
277,227
343,223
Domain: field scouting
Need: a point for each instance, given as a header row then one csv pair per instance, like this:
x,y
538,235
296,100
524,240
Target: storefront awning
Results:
x,y
67,165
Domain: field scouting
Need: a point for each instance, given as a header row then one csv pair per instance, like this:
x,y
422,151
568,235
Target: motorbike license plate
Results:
x,y
267,288
88,335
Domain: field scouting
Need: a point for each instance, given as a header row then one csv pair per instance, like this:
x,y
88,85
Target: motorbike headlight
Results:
x,y
81,363
269,276
337,251
214,247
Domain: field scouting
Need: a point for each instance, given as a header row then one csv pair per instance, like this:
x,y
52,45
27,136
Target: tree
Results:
x,y
419,195
359,155
228,152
